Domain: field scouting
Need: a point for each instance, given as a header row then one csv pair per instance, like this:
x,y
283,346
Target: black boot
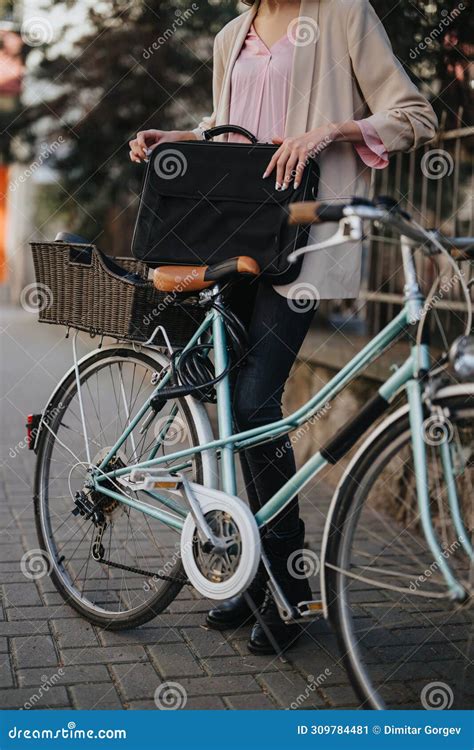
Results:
x,y
295,588
233,613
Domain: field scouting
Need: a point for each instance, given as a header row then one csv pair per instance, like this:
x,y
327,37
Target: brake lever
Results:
x,y
350,230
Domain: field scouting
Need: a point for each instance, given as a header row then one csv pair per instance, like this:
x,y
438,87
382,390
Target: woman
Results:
x,y
319,78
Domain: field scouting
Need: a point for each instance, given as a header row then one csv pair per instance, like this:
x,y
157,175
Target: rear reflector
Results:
x,y
32,424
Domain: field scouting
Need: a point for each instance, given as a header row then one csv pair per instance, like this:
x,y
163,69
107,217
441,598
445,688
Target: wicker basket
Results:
x,y
81,288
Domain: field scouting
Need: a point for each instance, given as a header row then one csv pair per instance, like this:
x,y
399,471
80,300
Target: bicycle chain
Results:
x,y
145,573
98,555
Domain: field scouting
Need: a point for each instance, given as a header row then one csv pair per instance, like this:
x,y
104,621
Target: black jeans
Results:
x,y
276,330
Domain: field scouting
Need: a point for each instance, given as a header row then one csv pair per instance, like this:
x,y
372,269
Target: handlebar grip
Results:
x,y
315,213
466,254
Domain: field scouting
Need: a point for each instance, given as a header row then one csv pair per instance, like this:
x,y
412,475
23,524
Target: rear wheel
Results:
x,y
405,642
145,572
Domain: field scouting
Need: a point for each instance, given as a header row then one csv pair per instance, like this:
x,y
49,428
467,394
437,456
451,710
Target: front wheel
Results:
x,y
405,642
145,572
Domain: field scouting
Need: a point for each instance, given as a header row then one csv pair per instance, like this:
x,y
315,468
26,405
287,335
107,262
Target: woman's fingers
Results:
x,y
283,160
273,162
136,150
142,142
290,170
300,168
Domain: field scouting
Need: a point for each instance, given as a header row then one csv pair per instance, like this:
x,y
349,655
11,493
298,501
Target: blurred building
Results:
x,y
11,83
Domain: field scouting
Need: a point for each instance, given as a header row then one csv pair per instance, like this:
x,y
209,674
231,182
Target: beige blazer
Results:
x,y
343,70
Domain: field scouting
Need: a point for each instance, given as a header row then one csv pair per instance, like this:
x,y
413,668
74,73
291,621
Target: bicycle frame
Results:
x,y
227,444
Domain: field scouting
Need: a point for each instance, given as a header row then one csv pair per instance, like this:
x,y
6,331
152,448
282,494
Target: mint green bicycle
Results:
x,y
135,497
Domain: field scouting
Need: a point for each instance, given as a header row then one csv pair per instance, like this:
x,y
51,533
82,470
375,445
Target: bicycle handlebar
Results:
x,y
461,248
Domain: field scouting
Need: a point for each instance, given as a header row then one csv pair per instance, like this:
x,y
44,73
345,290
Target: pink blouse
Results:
x,y
260,90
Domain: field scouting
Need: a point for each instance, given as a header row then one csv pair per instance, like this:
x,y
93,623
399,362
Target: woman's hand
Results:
x,y
292,157
294,153
147,140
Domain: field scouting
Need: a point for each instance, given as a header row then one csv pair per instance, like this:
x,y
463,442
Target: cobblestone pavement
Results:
x,y
47,650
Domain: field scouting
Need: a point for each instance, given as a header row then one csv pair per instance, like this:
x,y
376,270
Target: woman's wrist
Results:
x,y
189,135
345,132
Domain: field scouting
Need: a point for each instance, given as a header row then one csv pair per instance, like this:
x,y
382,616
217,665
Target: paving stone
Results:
x,y
137,681
145,636
256,702
219,685
35,651
105,655
261,663
175,660
9,552
204,642
289,688
193,703
29,627
188,606
74,633
3,645
18,595
6,675
341,697
69,675
181,620
204,703
33,614
237,665
101,696
56,697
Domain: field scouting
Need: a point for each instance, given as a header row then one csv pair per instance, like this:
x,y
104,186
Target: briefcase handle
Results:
x,y
223,129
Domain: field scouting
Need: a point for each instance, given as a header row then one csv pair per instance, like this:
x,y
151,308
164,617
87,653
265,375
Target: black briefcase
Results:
x,y
205,201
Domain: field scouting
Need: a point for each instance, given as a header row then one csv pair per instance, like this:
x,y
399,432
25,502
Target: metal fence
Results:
x,y
436,185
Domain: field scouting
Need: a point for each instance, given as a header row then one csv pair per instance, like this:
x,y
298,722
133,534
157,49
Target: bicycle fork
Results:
x,y
417,424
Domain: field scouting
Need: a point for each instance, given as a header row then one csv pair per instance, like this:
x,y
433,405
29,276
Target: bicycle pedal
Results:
x,y
306,610
141,479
